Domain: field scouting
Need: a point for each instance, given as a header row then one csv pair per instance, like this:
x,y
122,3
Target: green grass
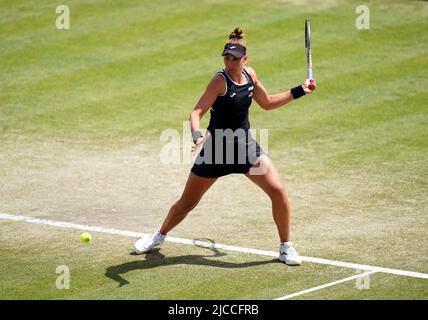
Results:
x,y
106,268
81,115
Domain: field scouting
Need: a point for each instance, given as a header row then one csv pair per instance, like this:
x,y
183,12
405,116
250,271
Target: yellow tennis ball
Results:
x,y
85,237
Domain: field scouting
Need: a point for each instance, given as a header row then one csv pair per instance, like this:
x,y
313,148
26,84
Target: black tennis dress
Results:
x,y
230,147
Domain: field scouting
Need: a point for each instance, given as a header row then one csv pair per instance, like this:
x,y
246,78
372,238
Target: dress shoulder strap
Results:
x,y
250,78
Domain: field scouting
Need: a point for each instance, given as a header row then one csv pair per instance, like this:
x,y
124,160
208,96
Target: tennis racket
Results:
x,y
308,52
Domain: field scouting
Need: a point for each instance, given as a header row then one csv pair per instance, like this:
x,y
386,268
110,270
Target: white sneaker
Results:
x,y
144,245
289,255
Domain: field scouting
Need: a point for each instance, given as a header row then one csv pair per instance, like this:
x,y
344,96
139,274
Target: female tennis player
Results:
x,y
228,146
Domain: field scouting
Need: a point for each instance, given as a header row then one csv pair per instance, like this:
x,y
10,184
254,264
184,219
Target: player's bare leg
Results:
x,y
270,183
193,191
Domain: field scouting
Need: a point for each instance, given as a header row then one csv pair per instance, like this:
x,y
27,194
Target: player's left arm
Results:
x,y
269,102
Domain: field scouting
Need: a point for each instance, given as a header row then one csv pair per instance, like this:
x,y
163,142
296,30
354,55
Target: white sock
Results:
x,y
162,235
287,244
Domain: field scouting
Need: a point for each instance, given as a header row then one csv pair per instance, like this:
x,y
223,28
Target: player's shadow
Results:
x,y
155,259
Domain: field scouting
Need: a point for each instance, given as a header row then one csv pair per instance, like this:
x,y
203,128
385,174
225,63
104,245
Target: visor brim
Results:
x,y
234,53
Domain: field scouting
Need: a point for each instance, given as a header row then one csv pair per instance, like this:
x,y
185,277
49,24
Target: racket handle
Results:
x,y
309,73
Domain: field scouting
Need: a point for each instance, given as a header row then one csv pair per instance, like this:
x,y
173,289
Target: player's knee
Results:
x,y
277,192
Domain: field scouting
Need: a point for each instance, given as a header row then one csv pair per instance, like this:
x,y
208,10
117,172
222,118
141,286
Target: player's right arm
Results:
x,y
268,101
216,87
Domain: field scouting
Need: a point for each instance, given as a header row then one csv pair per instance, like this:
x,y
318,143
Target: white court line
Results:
x,y
325,286
211,245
